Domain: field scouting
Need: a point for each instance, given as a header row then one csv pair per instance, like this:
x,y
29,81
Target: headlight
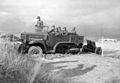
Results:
x,y
31,42
18,42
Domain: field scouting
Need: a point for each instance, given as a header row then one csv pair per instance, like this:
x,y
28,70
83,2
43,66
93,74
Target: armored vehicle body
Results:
x,y
39,43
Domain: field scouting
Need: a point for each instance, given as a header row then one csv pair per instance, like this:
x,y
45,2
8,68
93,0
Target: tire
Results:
x,y
84,49
98,50
35,50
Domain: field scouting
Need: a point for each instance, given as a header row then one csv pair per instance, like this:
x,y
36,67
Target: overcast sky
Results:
x,y
91,17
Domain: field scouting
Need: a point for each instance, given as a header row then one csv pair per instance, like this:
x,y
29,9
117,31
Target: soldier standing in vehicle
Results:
x,y
39,25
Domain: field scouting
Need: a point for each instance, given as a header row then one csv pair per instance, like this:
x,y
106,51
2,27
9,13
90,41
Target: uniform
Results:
x,y
39,25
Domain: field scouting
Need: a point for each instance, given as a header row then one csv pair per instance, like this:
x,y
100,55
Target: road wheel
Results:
x,y
98,50
84,49
73,51
35,50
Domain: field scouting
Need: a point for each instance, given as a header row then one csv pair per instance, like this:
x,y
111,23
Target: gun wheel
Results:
x,y
98,50
33,50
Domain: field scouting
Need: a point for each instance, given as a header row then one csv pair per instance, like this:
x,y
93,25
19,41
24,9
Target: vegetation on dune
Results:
x,y
9,37
14,67
18,68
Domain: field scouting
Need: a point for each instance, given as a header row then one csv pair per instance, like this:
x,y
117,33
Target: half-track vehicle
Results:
x,y
48,42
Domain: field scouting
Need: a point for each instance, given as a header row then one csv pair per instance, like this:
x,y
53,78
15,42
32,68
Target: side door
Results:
x,y
54,39
76,38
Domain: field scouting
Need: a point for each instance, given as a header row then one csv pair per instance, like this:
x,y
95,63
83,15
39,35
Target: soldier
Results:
x,y
65,31
59,30
73,30
53,29
39,24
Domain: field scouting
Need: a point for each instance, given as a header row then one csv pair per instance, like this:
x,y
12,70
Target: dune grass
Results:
x,y
18,68
14,67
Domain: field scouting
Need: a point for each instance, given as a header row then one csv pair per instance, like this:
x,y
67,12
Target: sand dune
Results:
x,y
89,68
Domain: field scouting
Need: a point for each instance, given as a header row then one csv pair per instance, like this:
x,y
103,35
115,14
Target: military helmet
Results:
x,y
53,26
38,17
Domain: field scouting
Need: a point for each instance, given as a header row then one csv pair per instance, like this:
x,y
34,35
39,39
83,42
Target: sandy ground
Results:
x,y
89,68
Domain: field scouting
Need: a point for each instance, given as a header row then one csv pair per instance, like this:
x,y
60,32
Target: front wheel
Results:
x,y
33,50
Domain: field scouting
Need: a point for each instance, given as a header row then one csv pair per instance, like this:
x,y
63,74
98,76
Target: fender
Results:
x,y
38,43
64,43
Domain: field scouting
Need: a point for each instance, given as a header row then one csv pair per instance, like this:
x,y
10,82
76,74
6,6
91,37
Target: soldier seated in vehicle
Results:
x,y
73,30
52,30
65,31
58,31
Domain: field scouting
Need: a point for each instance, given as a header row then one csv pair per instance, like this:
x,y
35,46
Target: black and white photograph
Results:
x,y
59,41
